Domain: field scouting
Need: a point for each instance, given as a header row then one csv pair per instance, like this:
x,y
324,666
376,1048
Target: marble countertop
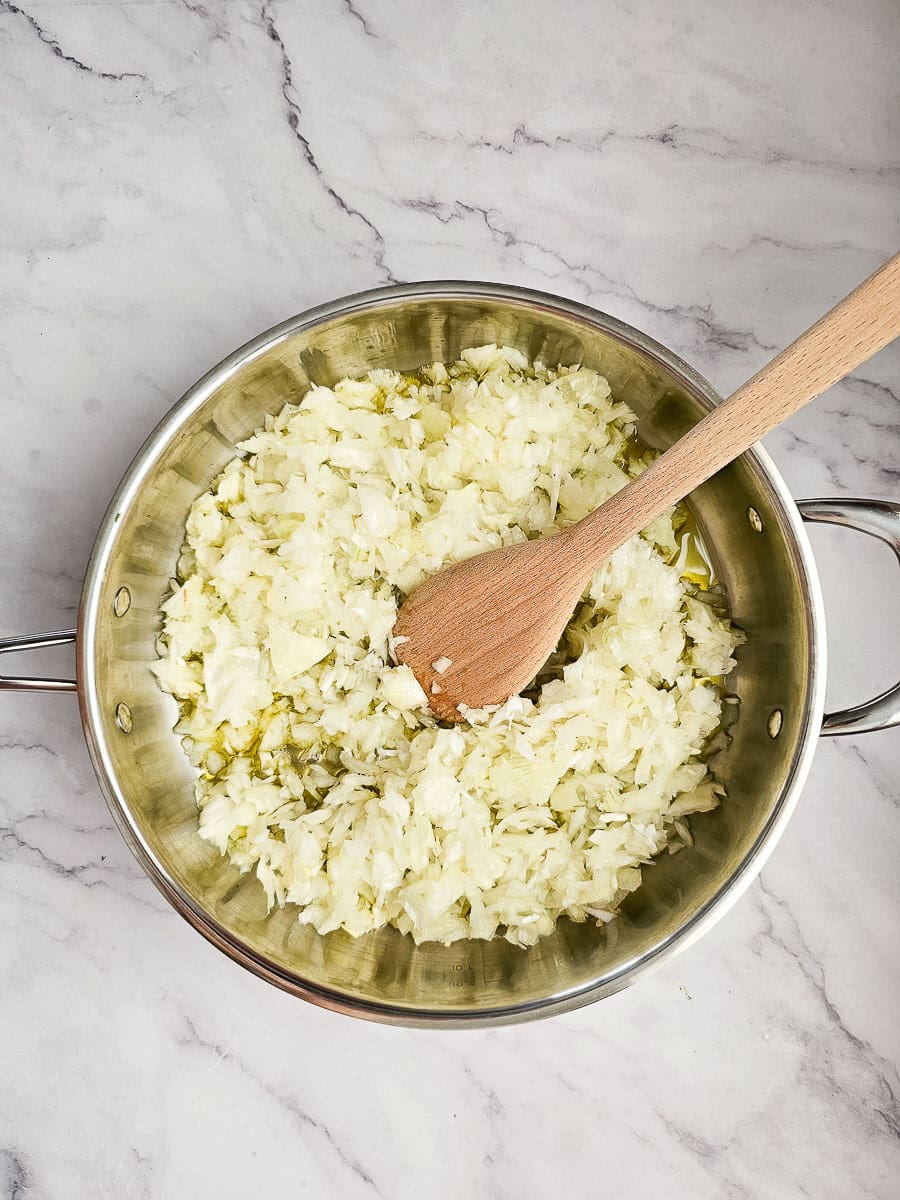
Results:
x,y
176,177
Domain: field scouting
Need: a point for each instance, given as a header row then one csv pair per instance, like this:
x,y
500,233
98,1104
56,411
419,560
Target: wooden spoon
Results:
x,y
480,630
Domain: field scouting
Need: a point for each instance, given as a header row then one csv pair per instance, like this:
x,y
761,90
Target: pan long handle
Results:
x,y
36,641
881,519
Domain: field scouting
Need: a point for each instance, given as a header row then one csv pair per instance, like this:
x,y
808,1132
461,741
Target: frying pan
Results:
x,y
751,525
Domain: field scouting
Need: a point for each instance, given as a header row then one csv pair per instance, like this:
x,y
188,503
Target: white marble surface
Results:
x,y
178,176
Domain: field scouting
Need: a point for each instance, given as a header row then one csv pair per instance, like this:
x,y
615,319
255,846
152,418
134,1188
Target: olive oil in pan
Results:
x,y
692,558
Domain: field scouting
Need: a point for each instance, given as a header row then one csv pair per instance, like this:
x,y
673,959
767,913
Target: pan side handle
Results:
x,y
36,641
880,519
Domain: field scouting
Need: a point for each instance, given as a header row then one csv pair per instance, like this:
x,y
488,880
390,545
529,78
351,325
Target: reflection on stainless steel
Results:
x,y
771,583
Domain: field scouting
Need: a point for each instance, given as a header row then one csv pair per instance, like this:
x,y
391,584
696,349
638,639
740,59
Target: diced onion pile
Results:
x,y
320,766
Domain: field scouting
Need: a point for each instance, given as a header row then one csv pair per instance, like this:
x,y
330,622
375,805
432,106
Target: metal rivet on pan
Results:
x,y
776,719
122,602
756,521
123,716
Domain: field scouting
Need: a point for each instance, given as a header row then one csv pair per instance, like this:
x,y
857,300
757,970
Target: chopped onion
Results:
x,y
319,763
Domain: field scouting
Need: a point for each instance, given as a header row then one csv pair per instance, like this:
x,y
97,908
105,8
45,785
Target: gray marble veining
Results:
x,y
177,176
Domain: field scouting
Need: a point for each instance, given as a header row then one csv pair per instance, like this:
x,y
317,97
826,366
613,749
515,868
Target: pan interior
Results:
x,y
756,552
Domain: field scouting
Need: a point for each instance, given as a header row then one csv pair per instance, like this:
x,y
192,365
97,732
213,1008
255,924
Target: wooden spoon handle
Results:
x,y
864,322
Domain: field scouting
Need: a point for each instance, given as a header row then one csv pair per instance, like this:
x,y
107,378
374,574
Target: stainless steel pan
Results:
x,y
755,532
